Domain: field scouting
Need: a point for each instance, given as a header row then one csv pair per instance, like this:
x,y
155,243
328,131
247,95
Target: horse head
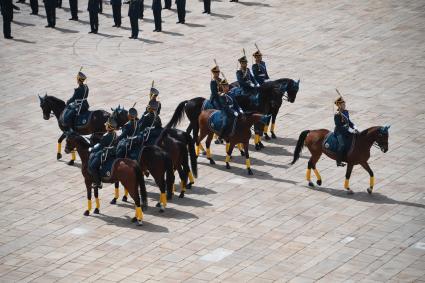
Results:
x,y
293,90
120,115
45,106
382,137
74,141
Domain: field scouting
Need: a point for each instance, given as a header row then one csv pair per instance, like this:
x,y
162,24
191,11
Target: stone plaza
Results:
x,y
230,227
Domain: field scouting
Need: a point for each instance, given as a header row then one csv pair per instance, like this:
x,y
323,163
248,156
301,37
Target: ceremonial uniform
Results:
x,y
260,72
34,7
77,104
230,110
116,12
246,81
50,6
93,8
214,87
129,134
151,116
181,11
134,13
7,13
157,8
73,5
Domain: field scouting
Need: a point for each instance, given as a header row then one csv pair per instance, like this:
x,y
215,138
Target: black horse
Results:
x,y
270,98
95,124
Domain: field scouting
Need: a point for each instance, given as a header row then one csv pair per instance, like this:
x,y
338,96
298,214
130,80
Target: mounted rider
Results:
x,y
129,134
259,68
245,79
150,118
102,151
214,86
230,109
77,104
344,129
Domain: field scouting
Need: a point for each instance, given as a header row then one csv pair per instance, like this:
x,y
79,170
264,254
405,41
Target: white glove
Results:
x,y
257,85
236,114
355,128
351,130
90,149
252,85
240,110
96,146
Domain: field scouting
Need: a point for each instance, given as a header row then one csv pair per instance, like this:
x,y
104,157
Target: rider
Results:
x,y
101,151
214,87
231,109
245,79
77,104
259,68
150,118
344,129
129,133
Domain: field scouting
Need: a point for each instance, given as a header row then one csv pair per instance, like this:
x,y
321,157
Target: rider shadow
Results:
x,y
366,197
125,222
183,201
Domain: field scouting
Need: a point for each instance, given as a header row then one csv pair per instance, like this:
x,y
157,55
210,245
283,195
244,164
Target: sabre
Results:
x,y
84,97
337,91
256,46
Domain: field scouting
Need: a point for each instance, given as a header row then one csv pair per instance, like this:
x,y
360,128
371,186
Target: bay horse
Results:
x,y
241,135
96,123
123,170
359,153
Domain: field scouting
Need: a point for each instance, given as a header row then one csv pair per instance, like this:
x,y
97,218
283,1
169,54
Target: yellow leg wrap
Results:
x,y
272,127
117,193
316,172
125,192
215,136
372,182
208,153
139,213
59,147
201,146
266,128
97,203
240,146
89,204
308,175
163,199
227,158
256,138
346,184
248,163
197,149
73,157
183,186
227,147
191,178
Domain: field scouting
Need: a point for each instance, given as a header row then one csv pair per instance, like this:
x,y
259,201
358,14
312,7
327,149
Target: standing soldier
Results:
x,y
181,11
156,8
116,12
50,6
7,13
133,13
207,7
77,104
167,4
93,8
73,5
34,7
259,68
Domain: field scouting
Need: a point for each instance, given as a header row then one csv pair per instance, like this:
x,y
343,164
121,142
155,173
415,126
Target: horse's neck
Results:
x,y
83,152
58,106
370,138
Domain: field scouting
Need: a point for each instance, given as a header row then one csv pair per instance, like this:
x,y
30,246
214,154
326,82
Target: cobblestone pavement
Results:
x,y
230,226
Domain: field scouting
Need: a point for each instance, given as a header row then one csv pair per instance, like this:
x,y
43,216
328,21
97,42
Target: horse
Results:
x,y
315,140
95,121
123,170
242,134
270,96
179,153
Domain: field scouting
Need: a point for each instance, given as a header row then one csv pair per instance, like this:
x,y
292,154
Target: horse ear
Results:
x,y
112,109
41,99
298,82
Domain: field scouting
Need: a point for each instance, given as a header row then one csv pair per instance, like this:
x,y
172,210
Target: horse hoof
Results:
x,y
310,184
133,220
158,205
217,142
170,197
189,186
161,210
242,153
139,223
369,190
113,201
181,195
86,213
204,153
250,171
261,145
349,192
144,207
124,199
227,165
257,146
212,162
266,136
273,135
96,211
71,162
58,156
319,182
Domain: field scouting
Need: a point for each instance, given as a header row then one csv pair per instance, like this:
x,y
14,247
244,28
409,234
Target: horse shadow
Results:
x,y
183,201
78,165
126,223
276,150
283,141
363,196
254,4
148,20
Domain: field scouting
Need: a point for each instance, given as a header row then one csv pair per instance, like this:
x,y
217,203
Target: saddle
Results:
x,y
330,144
105,170
81,120
216,122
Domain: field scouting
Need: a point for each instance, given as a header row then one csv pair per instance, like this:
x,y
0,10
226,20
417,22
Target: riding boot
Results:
x,y
339,157
96,181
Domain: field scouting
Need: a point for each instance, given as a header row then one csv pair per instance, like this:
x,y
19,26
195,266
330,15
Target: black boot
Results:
x,y
96,181
339,157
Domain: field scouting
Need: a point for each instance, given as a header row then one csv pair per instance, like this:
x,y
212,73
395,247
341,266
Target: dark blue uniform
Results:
x,y
94,8
157,8
215,97
116,11
128,138
79,99
342,127
181,11
231,111
149,119
260,72
73,6
34,7
246,81
50,6
7,13
102,151
134,13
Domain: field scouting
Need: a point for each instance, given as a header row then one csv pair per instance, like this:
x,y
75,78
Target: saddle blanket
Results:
x,y
331,144
83,119
106,168
216,122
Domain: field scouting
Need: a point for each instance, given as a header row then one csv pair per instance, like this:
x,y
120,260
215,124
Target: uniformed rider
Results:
x,y
245,79
129,134
231,109
214,86
150,118
77,104
259,68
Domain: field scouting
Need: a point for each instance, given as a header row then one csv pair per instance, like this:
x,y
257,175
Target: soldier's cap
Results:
x,y
154,92
339,100
223,82
111,124
243,59
215,69
132,112
81,76
257,53
153,105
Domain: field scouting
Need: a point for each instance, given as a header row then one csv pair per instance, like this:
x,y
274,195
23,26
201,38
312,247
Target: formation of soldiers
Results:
x,y
94,7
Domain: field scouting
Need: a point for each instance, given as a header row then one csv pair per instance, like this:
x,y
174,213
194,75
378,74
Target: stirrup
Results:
x,y
340,164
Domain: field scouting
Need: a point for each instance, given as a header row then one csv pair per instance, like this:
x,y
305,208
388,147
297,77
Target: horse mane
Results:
x,y
81,141
55,100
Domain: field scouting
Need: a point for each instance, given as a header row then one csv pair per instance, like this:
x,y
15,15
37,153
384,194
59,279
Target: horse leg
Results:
x,y
312,165
88,187
183,180
59,147
208,144
134,193
96,197
247,161
125,196
191,180
116,193
266,129
199,139
73,157
274,115
366,166
347,179
229,154
240,147
195,137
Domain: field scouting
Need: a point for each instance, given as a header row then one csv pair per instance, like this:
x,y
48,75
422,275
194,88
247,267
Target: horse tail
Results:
x,y
300,145
192,152
169,174
141,183
177,116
